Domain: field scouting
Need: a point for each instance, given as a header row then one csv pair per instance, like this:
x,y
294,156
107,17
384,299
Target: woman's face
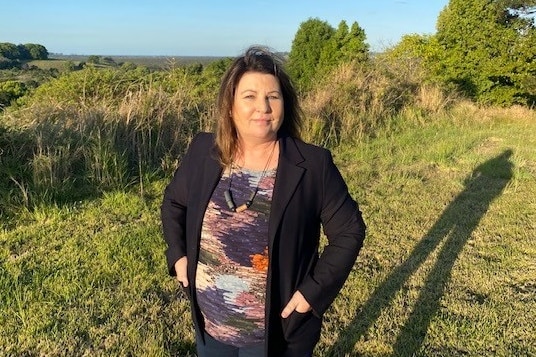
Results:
x,y
257,110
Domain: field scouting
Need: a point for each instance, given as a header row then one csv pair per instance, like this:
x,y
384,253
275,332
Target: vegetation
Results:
x,y
483,49
489,51
11,90
447,267
28,51
446,185
17,78
318,48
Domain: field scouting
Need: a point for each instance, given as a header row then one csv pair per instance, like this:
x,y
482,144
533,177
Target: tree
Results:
x,y
6,63
306,50
36,51
489,49
109,61
415,57
25,52
94,59
354,46
346,45
318,48
9,51
332,52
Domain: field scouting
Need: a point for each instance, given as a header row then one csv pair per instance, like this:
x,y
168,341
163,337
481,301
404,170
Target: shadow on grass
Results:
x,y
454,227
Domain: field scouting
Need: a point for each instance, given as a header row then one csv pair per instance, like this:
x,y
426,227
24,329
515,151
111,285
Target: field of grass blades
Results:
x,y
448,267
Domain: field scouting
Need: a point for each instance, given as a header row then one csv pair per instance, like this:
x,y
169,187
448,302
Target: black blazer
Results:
x,y
309,193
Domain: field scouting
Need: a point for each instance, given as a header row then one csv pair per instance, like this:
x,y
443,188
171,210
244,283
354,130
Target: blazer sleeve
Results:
x,y
174,208
344,228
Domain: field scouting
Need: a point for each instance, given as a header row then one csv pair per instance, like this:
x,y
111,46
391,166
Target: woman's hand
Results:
x,y
297,303
180,269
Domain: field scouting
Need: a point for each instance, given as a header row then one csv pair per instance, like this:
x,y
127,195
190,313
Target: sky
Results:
x,y
201,27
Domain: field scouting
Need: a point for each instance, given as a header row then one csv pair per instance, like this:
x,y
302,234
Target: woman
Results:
x,y
242,217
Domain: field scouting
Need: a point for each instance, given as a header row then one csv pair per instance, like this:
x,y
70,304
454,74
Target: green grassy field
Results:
x,y
53,63
448,267
158,62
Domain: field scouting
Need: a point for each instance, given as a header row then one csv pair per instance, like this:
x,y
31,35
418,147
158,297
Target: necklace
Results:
x,y
229,194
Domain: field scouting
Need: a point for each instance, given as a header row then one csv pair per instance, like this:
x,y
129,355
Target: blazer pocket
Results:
x,y
299,325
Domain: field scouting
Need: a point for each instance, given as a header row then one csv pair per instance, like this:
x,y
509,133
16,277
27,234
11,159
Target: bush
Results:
x,y
10,91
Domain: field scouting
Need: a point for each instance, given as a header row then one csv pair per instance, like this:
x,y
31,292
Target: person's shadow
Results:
x,y
454,227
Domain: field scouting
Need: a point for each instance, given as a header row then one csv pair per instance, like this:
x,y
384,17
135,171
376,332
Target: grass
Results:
x,y
53,63
447,268
89,279
450,208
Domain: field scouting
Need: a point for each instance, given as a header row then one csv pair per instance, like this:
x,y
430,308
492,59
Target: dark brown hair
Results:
x,y
255,59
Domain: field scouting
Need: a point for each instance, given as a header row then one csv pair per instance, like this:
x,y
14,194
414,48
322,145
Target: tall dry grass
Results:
x,y
356,100
78,139
93,130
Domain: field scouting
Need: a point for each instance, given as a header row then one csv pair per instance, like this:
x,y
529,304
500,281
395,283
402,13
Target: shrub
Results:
x,y
9,91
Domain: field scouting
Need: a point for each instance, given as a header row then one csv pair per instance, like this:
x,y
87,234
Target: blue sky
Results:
x,y
201,28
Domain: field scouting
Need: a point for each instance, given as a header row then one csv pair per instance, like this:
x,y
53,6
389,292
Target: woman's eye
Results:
x,y
275,97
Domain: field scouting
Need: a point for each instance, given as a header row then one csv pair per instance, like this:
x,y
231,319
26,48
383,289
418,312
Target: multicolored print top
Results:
x,y
233,260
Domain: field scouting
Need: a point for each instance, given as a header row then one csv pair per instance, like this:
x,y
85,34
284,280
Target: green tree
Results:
x,y
318,48
489,49
211,74
416,57
6,63
24,54
9,51
332,53
346,44
354,45
94,59
306,50
36,51
109,61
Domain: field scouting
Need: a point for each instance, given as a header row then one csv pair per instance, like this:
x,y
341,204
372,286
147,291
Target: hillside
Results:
x,y
447,267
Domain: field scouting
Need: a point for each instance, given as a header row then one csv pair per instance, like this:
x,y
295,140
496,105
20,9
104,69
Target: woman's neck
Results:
x,y
258,156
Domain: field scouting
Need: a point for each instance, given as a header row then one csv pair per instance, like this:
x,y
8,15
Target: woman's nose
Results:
x,y
263,105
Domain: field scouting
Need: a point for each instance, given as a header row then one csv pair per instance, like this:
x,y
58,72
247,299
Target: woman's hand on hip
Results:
x,y
180,270
297,303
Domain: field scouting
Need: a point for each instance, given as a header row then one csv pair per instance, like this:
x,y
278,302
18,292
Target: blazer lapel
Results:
x,y
288,176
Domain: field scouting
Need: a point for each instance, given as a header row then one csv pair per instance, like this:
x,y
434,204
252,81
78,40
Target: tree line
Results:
x,y
482,49
29,51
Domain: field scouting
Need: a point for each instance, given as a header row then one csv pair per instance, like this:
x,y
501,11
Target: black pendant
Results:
x,y
232,206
